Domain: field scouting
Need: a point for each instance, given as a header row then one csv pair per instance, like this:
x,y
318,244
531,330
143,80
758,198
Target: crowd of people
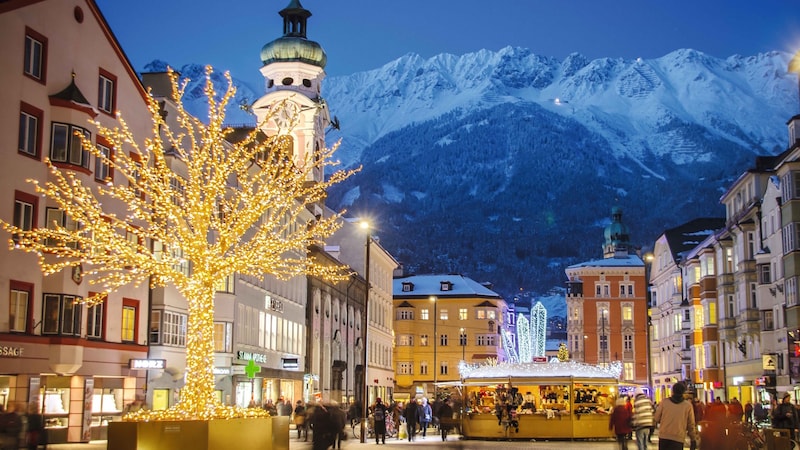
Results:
x,y
21,428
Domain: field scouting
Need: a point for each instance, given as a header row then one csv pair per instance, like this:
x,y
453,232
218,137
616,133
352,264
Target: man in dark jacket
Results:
x,y
785,415
411,414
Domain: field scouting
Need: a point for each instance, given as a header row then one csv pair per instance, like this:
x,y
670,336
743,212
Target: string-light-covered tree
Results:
x,y
230,208
563,352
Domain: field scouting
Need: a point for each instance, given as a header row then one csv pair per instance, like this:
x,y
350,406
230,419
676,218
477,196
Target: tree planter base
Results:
x,y
241,434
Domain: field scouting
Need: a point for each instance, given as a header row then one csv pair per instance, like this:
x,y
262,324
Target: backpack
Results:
x,y
379,413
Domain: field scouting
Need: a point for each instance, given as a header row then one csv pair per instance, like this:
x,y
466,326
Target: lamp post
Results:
x,y
603,338
364,397
648,261
463,339
435,369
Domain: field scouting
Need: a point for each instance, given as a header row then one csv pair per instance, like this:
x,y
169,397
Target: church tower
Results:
x,y
617,238
293,70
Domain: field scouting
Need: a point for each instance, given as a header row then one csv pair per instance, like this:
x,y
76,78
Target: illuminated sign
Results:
x,y
147,364
222,370
290,363
250,356
11,351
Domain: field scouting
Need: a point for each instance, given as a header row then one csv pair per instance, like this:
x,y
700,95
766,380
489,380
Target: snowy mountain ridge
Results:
x,y
631,103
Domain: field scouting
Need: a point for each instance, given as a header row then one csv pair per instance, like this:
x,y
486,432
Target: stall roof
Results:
x,y
543,370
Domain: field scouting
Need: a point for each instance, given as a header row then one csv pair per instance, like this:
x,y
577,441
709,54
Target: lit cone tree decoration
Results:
x,y
235,212
563,352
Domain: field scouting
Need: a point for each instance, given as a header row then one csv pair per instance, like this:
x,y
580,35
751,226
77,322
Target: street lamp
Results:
x,y
364,399
648,261
435,371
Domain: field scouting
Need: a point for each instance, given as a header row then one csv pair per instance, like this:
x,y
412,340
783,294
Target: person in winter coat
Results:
x,y
675,419
379,413
445,418
300,419
620,422
425,416
411,414
785,415
642,418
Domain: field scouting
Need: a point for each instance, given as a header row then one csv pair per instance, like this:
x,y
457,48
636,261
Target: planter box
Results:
x,y
242,434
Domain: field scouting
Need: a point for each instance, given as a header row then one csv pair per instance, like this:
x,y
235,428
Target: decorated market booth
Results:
x,y
555,400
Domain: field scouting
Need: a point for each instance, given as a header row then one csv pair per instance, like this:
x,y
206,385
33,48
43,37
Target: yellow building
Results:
x,y
440,321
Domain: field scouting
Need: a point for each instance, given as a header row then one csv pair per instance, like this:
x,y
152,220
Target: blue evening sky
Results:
x,y
360,35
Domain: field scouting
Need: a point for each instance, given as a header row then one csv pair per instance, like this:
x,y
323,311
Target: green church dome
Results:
x,y
294,46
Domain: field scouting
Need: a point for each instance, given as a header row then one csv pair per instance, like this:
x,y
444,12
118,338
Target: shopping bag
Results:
x,y
401,433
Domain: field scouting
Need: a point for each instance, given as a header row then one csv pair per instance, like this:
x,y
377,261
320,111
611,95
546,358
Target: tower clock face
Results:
x,y
287,113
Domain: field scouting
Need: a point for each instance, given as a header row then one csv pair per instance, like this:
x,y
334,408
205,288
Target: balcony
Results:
x,y
724,279
750,315
727,323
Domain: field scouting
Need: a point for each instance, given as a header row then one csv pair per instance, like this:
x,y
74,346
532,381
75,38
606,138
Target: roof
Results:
x,y
548,369
686,237
625,261
428,285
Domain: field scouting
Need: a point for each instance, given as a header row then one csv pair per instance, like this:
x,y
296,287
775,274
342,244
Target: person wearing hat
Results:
x,y
675,419
785,415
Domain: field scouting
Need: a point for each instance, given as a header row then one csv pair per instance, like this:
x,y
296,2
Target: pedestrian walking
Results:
x,y
620,423
379,413
445,418
339,418
300,419
10,427
642,418
35,435
411,414
425,416
674,418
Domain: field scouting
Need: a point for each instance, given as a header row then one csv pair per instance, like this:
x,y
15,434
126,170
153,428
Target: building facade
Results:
x,y
440,322
78,364
607,307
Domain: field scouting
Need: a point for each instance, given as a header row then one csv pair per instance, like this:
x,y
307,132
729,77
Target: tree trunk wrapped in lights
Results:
x,y
239,208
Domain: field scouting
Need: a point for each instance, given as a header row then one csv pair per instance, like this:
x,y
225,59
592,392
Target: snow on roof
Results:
x,y
554,368
425,285
628,261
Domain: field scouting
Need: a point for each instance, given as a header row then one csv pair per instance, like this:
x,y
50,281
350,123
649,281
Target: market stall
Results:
x,y
555,400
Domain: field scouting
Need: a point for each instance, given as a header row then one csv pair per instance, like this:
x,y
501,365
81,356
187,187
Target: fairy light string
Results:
x,y
188,196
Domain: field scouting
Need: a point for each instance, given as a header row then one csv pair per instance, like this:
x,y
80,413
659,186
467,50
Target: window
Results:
x,y
177,186
627,313
462,314
405,314
604,343
687,315
443,368
442,314
24,212
35,62
136,175
66,146
768,320
225,284
223,337
155,328
174,331
628,369
130,319
486,340
62,315
405,340
405,368
627,343
423,340
480,314
19,307
30,135
95,320
102,165
57,218
443,340
423,368
462,339
424,315
107,92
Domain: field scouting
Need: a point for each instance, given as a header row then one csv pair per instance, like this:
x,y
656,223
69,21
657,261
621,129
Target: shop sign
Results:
x,y
146,364
6,350
222,370
540,359
250,356
237,370
290,363
768,362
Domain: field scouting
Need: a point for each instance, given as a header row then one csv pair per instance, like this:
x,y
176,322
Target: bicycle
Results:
x,y
391,427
